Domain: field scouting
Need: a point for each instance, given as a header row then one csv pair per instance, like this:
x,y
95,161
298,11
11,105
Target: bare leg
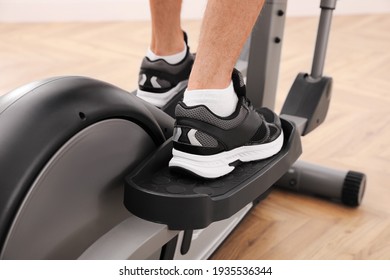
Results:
x,y
167,35
225,28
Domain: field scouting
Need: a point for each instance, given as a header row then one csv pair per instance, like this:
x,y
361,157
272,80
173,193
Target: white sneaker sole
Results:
x,y
214,166
161,99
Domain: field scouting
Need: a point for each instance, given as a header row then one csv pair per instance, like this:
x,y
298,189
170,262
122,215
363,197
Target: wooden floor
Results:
x,y
356,134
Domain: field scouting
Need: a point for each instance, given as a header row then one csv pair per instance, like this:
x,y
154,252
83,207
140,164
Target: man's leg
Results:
x,y
167,35
225,28
166,67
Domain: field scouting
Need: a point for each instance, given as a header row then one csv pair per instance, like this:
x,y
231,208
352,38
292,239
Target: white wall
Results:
x,y
111,10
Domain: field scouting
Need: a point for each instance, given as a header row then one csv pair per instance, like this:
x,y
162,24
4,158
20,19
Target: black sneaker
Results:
x,y
211,146
160,81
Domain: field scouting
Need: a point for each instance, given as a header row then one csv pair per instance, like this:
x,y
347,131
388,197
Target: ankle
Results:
x,y
168,45
204,77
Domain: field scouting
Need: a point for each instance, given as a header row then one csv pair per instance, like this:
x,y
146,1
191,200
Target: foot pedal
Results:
x,y
155,193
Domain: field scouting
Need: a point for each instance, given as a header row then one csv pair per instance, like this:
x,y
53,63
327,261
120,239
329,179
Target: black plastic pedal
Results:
x,y
154,192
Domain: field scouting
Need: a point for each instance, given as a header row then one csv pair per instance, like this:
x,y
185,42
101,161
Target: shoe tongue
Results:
x,y
238,83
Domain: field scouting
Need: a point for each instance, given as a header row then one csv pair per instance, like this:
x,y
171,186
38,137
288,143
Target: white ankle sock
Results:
x,y
222,102
171,59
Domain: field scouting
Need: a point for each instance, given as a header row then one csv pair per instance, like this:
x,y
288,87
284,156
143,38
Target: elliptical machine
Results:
x,y
70,145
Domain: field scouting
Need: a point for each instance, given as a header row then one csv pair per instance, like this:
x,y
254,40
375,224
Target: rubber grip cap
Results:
x,y
353,188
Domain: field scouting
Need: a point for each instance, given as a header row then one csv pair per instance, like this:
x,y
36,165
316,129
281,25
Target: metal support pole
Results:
x,y
264,54
327,7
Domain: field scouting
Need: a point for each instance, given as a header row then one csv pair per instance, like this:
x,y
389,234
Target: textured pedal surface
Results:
x,y
159,194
